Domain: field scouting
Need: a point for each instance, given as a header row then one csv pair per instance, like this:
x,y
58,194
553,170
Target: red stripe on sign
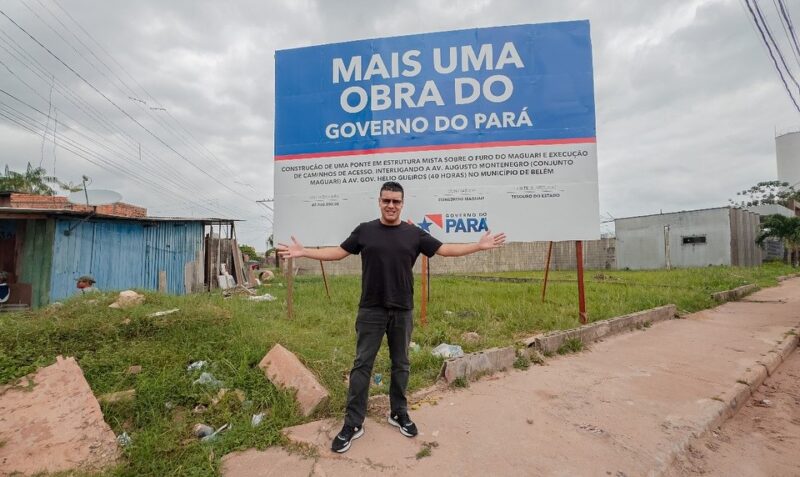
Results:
x,y
436,219
437,147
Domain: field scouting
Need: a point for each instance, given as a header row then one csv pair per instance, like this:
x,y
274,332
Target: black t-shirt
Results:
x,y
388,253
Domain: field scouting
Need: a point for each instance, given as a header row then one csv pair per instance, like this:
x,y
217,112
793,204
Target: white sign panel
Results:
x,y
485,129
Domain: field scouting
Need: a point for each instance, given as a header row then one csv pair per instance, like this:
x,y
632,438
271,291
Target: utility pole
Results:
x,y
85,193
264,203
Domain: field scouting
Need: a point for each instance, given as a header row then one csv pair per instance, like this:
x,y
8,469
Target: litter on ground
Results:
x,y
163,313
264,297
448,351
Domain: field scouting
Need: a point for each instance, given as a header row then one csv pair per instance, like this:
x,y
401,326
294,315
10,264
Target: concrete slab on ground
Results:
x,y
284,369
54,425
627,406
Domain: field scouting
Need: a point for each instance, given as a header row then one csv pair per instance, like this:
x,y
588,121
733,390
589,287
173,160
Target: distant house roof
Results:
x,y
17,203
673,213
6,212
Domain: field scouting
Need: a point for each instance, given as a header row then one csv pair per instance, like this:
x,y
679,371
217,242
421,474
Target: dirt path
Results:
x,y
628,406
763,439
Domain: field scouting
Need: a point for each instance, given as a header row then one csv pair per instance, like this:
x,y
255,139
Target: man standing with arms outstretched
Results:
x,y
389,248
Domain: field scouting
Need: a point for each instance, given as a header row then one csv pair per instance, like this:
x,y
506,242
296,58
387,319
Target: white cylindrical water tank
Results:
x,y
787,150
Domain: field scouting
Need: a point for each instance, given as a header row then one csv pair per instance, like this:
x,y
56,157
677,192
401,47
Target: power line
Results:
x,y
775,44
27,123
76,148
118,152
49,109
781,20
82,105
120,109
88,109
217,161
76,50
91,112
30,124
769,49
787,22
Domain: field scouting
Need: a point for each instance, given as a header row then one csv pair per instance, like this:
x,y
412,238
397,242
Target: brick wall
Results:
x,y
597,255
121,209
55,202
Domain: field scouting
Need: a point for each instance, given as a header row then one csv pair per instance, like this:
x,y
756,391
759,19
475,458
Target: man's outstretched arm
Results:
x,y
487,242
296,250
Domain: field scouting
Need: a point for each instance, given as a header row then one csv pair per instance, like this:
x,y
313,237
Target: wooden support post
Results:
x,y
162,281
238,264
219,252
429,278
325,280
581,295
209,250
290,288
423,309
547,269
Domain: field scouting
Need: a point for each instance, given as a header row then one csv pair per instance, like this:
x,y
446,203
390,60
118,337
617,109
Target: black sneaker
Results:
x,y
404,423
342,441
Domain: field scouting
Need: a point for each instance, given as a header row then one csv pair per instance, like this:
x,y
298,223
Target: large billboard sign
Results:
x,y
484,128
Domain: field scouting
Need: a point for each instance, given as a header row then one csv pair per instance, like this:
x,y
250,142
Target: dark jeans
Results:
x,y
371,325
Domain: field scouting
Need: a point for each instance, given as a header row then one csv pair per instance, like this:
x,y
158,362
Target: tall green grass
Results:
x,y
234,334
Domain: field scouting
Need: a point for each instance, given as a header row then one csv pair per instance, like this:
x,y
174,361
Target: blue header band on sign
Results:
x,y
525,84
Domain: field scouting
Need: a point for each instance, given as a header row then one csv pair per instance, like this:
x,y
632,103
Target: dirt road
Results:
x,y
763,439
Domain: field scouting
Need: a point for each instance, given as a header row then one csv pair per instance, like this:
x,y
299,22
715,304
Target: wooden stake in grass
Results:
x,y
162,281
325,280
581,294
547,269
290,288
423,311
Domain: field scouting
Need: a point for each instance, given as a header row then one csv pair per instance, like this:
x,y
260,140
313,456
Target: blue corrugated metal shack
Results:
x,y
45,251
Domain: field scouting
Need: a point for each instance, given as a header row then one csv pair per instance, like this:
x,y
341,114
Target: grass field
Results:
x,y
234,334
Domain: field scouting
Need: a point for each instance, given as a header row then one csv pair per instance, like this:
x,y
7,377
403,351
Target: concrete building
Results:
x,y
773,247
694,238
787,152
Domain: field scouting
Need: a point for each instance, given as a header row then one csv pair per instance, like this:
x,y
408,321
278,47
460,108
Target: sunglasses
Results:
x,y
392,201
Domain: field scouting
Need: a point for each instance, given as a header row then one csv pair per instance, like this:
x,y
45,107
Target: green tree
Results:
x,y
248,250
787,230
33,181
767,192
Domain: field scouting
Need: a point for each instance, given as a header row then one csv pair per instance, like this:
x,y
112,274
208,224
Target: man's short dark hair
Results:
x,y
392,187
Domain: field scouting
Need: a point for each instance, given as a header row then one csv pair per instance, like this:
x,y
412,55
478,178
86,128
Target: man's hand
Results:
x,y
295,250
489,241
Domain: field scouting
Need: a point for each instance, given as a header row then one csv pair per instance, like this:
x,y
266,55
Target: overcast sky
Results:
x,y
688,101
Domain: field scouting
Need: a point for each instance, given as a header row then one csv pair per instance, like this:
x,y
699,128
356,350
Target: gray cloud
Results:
x,y
687,100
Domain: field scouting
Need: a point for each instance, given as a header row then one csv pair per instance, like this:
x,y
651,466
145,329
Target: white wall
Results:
x,y
640,240
787,150
771,209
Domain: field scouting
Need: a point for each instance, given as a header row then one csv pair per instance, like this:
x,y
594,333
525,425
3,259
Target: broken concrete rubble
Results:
x,y
56,425
285,371
127,299
474,365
